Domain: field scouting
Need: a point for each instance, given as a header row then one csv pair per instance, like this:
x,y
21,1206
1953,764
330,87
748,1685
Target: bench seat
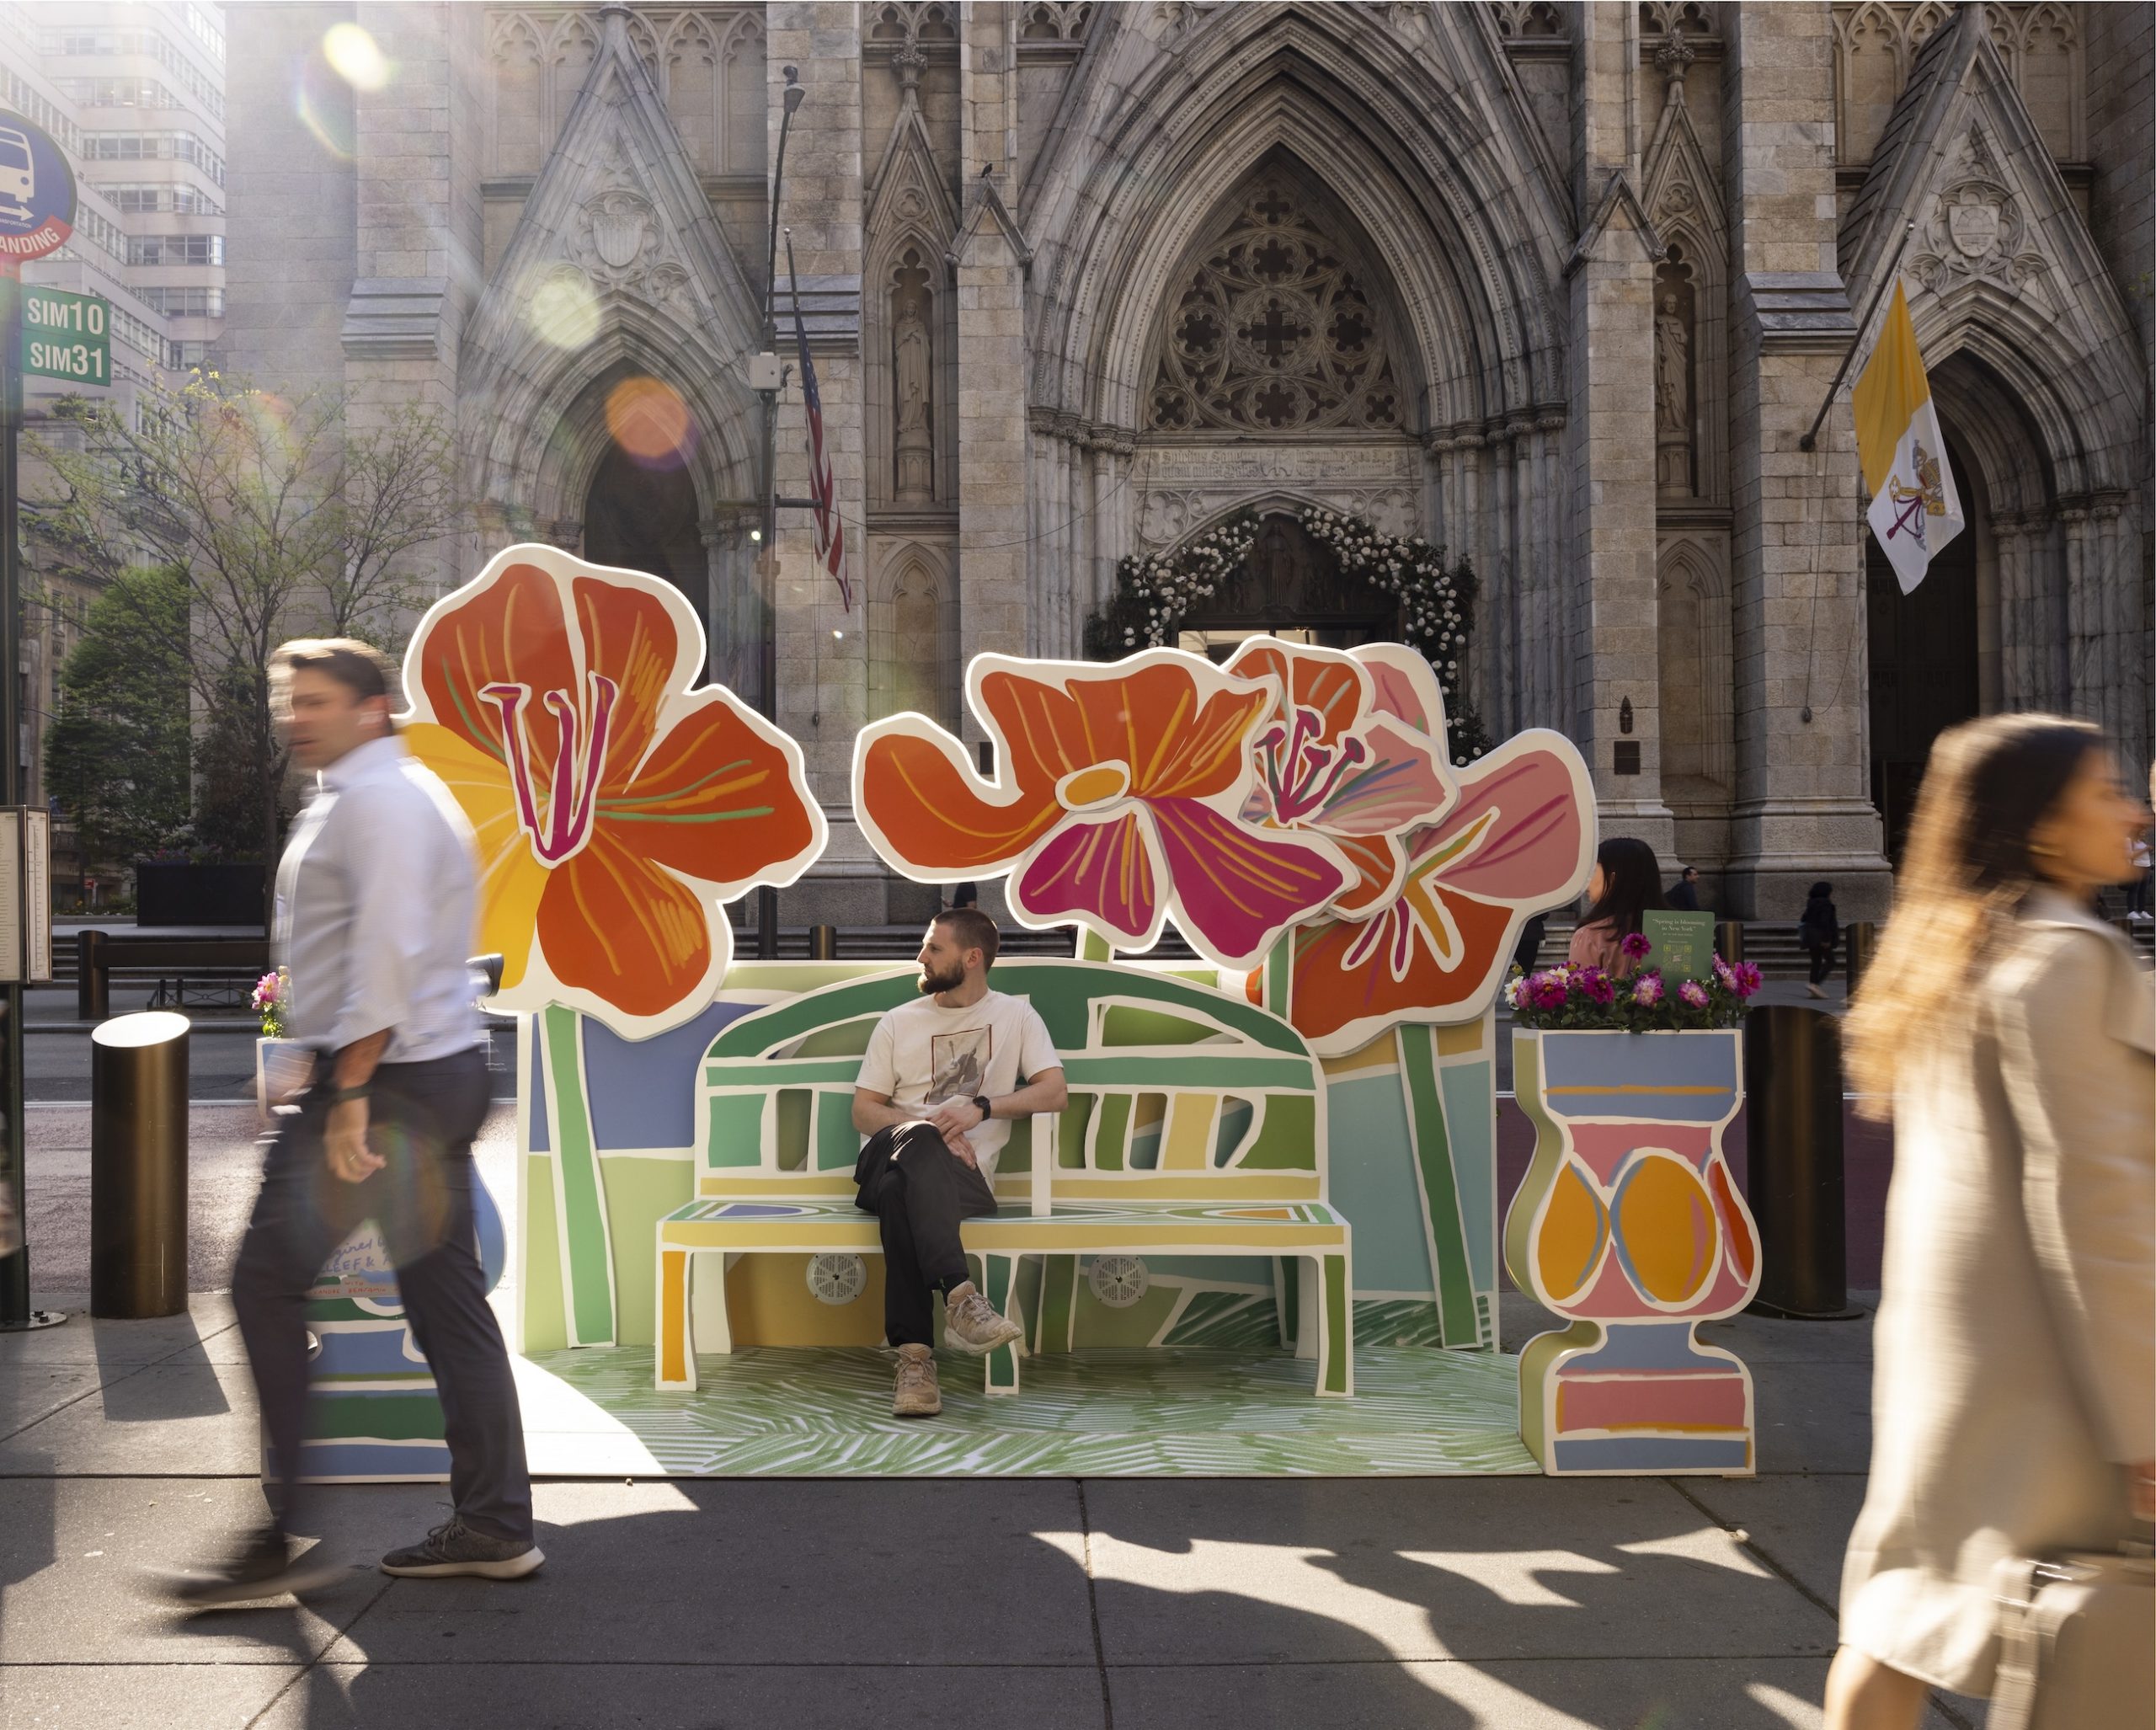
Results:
x,y
817,1226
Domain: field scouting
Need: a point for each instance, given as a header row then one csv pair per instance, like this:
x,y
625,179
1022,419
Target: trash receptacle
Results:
x,y
1793,1161
138,1165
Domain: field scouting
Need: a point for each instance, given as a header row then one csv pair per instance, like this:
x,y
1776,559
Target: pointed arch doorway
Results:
x,y
645,519
1289,585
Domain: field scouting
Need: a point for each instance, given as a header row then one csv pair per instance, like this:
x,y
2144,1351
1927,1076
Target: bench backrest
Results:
x,y
1178,1093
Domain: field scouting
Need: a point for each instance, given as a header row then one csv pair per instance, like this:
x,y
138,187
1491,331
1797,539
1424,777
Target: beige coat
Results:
x,y
2015,1348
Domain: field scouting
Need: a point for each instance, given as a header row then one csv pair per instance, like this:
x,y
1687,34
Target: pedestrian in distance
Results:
x,y
376,910
2011,1035
2137,891
1684,893
943,1080
1626,884
1819,933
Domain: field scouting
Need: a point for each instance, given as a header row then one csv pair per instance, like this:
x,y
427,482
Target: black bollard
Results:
x,y
93,984
1729,940
822,942
1862,938
138,1165
1793,1158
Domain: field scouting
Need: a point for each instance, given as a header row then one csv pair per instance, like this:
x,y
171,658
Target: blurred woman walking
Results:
x,y
2013,1036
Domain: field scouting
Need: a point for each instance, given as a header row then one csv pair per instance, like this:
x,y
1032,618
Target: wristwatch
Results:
x,y
981,1101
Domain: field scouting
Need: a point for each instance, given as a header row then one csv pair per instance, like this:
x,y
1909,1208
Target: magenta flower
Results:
x,y
1596,985
1635,945
1548,991
1744,979
1723,976
1646,989
1692,993
267,990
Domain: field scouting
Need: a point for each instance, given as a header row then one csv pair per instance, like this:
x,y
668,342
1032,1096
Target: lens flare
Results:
x,y
650,422
354,56
324,107
564,311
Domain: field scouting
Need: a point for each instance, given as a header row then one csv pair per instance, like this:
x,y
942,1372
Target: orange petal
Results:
x,y
715,800
927,806
629,638
1179,743
512,631
1328,682
616,926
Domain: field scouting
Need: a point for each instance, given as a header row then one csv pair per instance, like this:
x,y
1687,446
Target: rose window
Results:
x,y
1272,330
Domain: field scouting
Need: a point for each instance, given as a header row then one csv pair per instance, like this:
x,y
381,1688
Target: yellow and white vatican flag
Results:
x,y
1915,510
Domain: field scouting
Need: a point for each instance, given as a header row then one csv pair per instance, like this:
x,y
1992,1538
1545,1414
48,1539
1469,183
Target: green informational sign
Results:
x,y
1683,944
67,336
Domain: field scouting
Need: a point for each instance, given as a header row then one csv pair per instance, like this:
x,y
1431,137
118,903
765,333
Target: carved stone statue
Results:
x,y
1673,397
912,394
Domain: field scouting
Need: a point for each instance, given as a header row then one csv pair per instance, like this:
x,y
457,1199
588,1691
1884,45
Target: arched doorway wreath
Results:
x,y
1153,591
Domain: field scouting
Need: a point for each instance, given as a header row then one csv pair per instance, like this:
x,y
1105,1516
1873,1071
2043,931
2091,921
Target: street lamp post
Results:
x,y
768,377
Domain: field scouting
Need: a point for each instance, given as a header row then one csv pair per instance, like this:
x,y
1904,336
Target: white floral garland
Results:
x,y
1157,590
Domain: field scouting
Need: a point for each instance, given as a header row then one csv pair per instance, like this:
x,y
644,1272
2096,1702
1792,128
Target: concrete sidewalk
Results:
x,y
1521,1603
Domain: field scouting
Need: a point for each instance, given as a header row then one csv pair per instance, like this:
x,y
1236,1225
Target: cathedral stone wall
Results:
x,y
1560,285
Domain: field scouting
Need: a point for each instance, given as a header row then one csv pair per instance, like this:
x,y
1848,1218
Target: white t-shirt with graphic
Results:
x,y
921,1056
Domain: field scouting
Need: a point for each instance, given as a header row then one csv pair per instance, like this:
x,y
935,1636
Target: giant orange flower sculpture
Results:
x,y
1119,800
616,804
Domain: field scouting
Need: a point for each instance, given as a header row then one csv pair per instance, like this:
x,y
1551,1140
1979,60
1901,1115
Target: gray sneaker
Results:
x,y
454,1548
260,1566
971,1325
915,1395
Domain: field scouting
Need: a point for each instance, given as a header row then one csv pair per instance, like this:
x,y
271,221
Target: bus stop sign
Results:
x,y
37,193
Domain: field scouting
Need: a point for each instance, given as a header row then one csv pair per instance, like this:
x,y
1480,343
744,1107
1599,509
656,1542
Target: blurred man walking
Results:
x,y
376,905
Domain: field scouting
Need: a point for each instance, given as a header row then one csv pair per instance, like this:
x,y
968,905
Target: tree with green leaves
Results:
x,y
117,755
282,518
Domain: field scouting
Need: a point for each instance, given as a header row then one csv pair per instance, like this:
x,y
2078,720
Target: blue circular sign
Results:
x,y
37,192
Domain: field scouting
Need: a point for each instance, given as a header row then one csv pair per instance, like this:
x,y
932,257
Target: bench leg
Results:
x,y
675,1356
1287,1275
1333,1318
1000,1283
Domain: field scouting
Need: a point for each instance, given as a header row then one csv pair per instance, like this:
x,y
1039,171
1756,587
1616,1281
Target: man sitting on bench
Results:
x,y
936,1097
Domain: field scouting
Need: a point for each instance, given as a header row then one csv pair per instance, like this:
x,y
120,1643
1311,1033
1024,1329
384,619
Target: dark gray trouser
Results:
x,y
422,1119
918,1197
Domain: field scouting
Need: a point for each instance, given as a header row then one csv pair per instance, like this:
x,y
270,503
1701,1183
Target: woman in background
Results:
x,y
2014,1037
1820,931
1627,883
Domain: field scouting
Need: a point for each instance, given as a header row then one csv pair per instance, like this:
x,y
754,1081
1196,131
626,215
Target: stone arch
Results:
x,y
1696,657
1471,240
744,100
913,636
692,83
572,46
516,98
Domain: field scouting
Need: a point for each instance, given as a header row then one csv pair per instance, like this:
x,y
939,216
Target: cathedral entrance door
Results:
x,y
643,518
1923,666
1292,587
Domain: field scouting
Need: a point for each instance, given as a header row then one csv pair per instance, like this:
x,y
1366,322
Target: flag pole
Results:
x,y
1810,441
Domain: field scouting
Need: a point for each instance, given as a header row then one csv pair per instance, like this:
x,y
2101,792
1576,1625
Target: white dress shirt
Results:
x,y
376,907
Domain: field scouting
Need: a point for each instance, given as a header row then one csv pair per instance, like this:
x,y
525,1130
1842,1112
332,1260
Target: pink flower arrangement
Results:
x,y
1635,945
272,1001
1587,998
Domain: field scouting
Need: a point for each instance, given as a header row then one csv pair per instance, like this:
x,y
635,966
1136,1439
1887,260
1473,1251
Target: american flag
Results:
x,y
830,532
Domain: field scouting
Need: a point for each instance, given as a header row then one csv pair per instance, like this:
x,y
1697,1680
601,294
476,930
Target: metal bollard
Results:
x,y
93,984
1862,938
1729,940
1793,1117
822,942
138,1165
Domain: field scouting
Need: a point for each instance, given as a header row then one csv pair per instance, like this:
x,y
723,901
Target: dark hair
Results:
x,y
360,667
973,929
1688,871
1631,883
1822,891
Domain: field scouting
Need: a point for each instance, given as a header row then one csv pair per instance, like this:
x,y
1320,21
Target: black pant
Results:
x,y
1822,964
919,1197
422,1118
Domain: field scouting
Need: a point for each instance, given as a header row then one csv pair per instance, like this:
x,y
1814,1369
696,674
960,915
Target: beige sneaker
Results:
x,y
916,1394
970,1323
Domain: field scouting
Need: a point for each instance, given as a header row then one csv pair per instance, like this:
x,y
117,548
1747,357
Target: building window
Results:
x,y
170,198
153,146
176,249
185,302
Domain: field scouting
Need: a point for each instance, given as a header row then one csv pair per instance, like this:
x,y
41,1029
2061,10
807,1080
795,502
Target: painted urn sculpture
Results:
x,y
1628,1225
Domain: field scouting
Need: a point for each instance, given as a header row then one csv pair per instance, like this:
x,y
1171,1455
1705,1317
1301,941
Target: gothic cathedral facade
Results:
x,y
1561,286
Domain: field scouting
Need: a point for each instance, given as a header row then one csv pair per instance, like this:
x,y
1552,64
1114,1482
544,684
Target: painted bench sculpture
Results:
x,y
1196,1127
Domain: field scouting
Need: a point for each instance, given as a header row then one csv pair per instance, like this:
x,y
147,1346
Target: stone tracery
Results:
x,y
1274,331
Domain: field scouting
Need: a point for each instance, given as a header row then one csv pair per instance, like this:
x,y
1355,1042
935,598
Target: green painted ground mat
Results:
x,y
772,1411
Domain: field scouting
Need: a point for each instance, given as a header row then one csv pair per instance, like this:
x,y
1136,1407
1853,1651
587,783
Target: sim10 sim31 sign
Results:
x,y
37,193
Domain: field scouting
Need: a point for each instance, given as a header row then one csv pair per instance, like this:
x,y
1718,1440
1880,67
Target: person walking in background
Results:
x,y
1684,893
1820,933
2137,891
1627,882
376,906
2011,1036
